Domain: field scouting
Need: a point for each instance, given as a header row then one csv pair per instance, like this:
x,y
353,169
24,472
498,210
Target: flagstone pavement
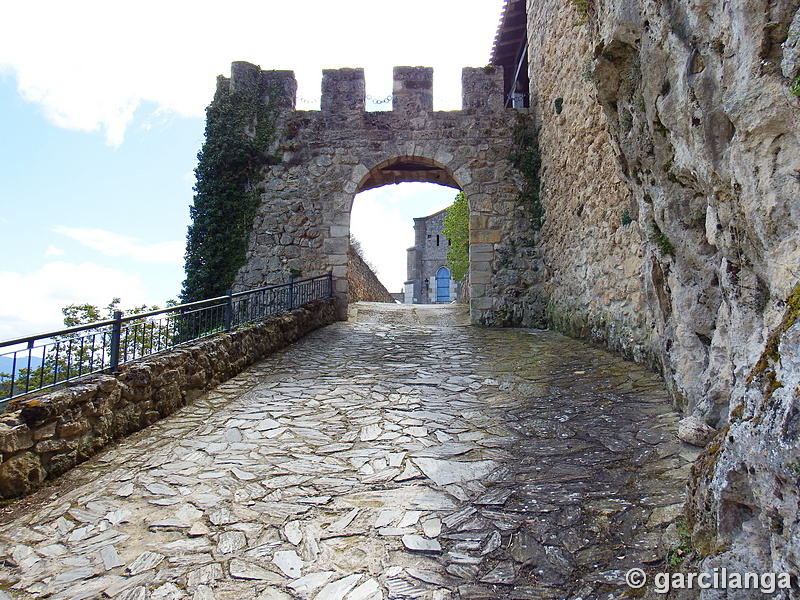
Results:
x,y
402,454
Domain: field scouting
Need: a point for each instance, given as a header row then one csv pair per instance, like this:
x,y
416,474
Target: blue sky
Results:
x,y
102,115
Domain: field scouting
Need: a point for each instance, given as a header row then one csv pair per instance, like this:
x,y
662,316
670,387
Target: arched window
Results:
x,y
443,285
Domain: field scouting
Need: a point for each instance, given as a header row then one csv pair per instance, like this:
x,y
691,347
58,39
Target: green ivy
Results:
x,y
527,158
456,230
794,89
660,239
240,127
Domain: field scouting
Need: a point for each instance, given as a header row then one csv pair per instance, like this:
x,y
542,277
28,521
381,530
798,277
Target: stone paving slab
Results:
x,y
399,455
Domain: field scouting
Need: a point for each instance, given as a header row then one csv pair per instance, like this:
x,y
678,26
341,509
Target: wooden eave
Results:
x,y
511,34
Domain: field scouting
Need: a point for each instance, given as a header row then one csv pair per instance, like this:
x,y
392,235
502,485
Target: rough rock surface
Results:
x,y
685,254
744,502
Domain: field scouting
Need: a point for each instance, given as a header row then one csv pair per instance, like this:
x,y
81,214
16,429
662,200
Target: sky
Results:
x,y
102,114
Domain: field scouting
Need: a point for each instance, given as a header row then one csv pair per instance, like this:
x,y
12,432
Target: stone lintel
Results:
x,y
340,231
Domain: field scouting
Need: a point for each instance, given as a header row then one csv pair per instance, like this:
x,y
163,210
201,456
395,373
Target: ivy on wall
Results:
x,y
239,129
527,158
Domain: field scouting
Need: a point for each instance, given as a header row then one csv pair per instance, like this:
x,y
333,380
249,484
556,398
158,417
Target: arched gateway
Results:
x,y
324,158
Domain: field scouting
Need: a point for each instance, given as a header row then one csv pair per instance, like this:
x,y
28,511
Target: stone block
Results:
x,y
340,231
44,432
481,248
478,290
413,90
19,474
72,428
481,277
477,221
14,438
337,260
481,303
55,445
484,236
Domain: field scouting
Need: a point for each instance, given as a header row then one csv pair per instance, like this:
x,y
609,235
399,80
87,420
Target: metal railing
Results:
x,y
48,359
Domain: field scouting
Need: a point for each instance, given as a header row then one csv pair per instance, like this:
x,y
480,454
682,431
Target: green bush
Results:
x,y
456,230
225,201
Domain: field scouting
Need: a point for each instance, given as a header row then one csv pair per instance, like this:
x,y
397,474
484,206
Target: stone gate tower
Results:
x,y
324,158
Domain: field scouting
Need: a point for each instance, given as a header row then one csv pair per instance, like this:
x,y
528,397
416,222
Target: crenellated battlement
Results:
x,y
344,90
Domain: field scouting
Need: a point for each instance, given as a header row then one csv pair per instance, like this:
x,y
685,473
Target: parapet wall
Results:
x,y
44,436
325,157
344,90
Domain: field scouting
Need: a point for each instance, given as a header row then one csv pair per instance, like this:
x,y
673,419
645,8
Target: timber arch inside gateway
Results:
x,y
324,158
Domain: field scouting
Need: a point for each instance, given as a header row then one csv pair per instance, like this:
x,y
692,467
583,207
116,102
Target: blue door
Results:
x,y
443,285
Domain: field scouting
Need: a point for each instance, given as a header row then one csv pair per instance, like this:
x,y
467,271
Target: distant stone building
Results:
x,y
429,278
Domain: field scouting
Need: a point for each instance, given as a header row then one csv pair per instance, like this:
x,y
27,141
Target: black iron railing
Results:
x,y
42,361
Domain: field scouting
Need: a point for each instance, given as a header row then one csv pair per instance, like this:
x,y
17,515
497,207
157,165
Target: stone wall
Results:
x,y
671,147
591,254
362,283
50,433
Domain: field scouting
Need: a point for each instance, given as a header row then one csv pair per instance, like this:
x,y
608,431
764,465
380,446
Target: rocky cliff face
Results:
x,y
670,134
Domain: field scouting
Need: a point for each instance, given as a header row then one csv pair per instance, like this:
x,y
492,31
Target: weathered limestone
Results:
x,y
53,432
672,227
327,156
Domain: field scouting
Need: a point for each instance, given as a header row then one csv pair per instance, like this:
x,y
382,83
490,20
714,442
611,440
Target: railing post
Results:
x,y
291,294
116,335
228,310
330,284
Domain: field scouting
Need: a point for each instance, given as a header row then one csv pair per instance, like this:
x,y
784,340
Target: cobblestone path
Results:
x,y
400,455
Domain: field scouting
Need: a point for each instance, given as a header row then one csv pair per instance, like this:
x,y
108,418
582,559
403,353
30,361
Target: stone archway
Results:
x,y
302,226
405,169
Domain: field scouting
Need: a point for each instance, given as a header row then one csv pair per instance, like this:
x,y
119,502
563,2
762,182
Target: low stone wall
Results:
x,y
44,436
362,283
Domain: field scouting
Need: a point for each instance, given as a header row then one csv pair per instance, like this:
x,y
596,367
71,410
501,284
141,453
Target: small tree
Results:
x,y
456,230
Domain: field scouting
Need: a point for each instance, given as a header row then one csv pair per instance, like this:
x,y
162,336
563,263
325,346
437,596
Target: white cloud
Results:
x,y
114,244
33,301
90,63
54,251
